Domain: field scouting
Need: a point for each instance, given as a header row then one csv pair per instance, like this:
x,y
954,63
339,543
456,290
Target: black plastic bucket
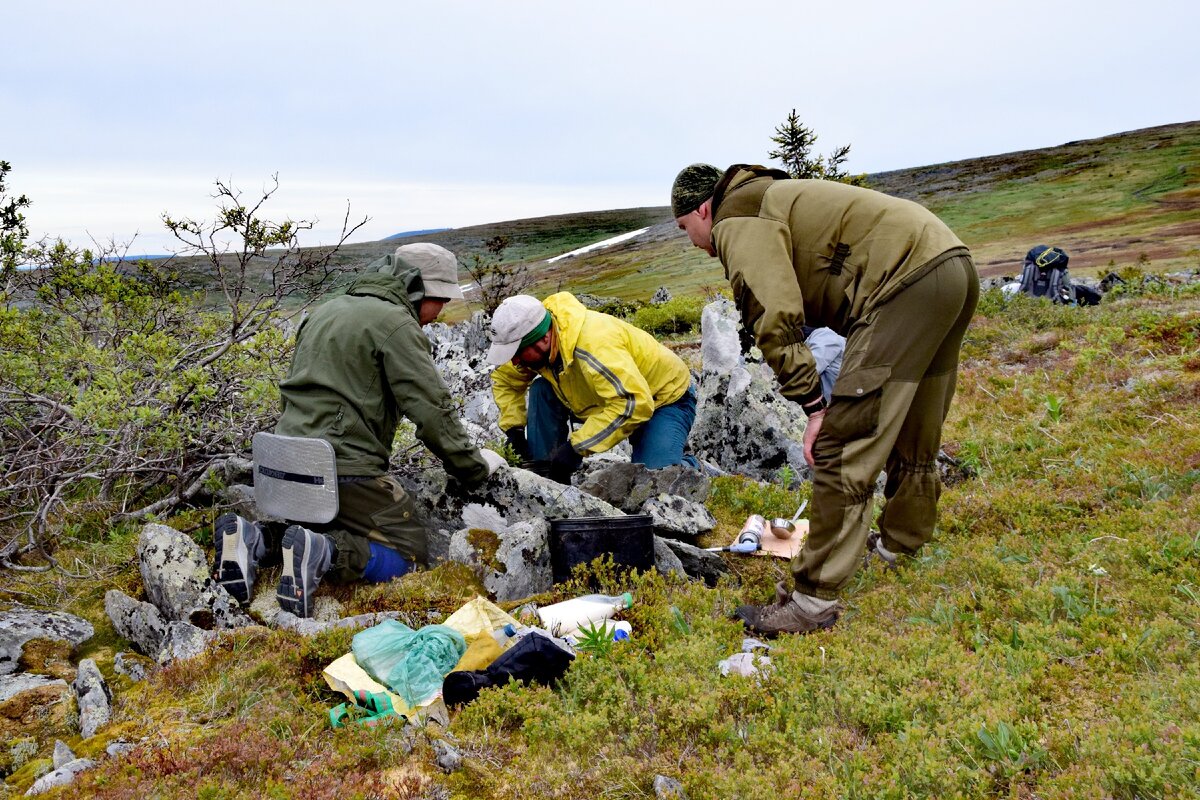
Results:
x,y
629,539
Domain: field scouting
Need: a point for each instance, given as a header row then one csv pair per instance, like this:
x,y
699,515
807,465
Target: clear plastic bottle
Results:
x,y
569,615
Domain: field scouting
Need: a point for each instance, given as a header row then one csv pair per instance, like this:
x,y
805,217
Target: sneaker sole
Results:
x,y
294,594
232,574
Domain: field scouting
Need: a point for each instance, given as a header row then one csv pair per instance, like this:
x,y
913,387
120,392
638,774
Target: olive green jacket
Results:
x,y
815,252
362,363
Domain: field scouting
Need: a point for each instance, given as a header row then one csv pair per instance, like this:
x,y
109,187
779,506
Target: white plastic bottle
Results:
x,y
569,615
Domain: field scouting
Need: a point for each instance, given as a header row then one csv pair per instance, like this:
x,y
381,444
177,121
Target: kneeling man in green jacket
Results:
x,y
901,287
361,364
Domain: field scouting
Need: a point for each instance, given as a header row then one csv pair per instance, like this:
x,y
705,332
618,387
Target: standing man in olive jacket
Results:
x,y
361,364
901,287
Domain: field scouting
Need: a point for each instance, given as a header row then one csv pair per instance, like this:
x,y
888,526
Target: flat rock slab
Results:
x,y
20,623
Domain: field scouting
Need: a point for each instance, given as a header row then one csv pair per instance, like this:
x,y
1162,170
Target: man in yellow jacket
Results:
x,y
557,360
901,287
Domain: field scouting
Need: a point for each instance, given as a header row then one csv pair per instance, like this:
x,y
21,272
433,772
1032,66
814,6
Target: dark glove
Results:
x,y
565,458
563,463
516,440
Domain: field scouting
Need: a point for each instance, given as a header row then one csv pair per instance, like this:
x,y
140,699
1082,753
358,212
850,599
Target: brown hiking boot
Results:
x,y
785,616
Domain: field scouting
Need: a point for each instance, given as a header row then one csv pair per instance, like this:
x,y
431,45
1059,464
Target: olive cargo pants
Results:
x,y
889,404
372,510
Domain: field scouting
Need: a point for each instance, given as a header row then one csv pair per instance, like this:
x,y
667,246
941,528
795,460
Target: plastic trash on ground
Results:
x,y
369,701
477,621
411,663
745,665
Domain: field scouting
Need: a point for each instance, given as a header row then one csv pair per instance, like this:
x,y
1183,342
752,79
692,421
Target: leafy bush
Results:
x,y
677,315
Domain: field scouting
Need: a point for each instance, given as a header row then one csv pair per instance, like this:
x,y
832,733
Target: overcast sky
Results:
x,y
446,114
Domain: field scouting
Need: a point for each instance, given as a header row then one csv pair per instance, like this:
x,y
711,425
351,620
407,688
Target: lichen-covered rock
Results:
x,y
131,666
675,517
743,424
21,682
62,776
175,573
512,563
182,641
660,296
668,788
93,697
520,493
62,754
20,623
141,623
628,486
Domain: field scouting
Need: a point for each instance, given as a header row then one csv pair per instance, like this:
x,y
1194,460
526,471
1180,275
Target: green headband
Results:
x,y
537,333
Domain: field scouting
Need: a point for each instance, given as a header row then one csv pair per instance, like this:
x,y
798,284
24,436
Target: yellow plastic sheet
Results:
x,y
475,621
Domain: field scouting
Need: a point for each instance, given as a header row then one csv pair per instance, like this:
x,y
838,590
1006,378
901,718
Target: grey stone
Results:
x,y
239,498
310,627
20,623
668,788
175,573
62,754
720,344
182,641
446,756
628,486
522,494
130,666
119,748
141,623
93,697
62,776
745,426
665,560
660,296
12,685
675,517
698,563
520,564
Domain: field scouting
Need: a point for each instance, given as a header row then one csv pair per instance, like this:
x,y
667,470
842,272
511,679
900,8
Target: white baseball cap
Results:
x,y
517,317
438,266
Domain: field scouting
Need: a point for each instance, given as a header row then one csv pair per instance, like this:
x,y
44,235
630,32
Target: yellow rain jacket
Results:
x,y
609,374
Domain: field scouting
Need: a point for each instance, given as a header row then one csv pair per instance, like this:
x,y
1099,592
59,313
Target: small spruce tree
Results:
x,y
795,142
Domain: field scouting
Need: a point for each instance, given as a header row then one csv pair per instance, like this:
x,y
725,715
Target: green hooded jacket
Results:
x,y
362,363
819,253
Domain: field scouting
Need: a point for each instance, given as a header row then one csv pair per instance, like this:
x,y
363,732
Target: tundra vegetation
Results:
x,y
1045,644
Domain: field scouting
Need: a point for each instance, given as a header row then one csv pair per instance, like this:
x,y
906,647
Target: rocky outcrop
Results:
x,y
512,562
19,624
141,623
677,517
175,573
62,776
628,486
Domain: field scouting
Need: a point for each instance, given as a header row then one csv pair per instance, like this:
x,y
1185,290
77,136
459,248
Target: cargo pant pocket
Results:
x,y
854,409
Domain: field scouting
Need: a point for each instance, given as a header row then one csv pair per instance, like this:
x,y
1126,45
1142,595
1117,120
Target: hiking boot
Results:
x,y
875,548
306,558
786,616
238,545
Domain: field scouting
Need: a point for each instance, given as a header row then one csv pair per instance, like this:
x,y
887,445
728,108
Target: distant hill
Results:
x,y
406,234
1116,200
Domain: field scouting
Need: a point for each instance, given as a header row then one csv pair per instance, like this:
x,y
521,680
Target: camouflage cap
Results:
x,y
693,185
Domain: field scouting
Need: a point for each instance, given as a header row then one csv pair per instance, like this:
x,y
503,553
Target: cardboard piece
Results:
x,y
771,545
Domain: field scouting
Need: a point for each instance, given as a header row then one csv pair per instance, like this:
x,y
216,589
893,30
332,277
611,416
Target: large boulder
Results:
x,y
521,495
677,517
513,562
175,573
743,424
20,623
696,562
628,486
141,623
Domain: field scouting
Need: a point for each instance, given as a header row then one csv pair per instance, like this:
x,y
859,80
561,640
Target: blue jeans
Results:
x,y
658,442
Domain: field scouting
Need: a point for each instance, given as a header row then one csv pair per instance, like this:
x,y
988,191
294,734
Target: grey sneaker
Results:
x,y
874,539
785,616
238,544
306,558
